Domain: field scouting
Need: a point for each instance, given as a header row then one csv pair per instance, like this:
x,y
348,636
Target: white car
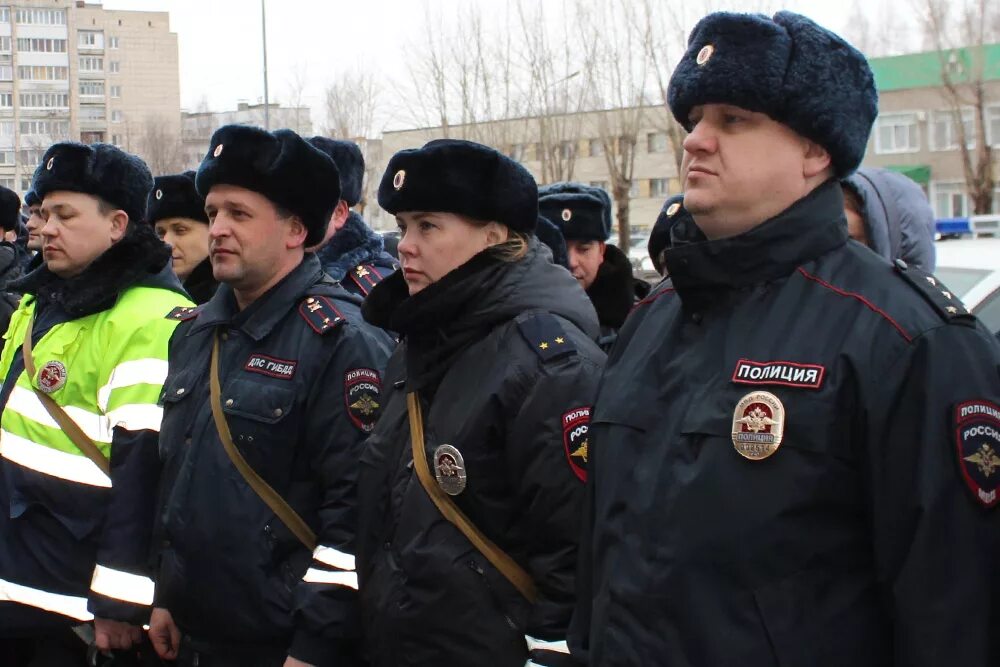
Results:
x,y
971,269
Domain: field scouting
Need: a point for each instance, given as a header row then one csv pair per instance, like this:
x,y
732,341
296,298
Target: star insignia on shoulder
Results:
x,y
543,346
931,280
560,340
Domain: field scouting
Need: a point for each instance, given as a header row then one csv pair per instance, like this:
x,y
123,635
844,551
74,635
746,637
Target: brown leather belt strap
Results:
x,y
66,423
507,566
271,498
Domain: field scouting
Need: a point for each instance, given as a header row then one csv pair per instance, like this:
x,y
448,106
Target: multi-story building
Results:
x,y
915,134
74,70
917,130
197,127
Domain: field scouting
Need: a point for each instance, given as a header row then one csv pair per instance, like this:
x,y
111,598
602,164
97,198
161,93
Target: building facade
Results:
x,y
915,133
71,70
197,127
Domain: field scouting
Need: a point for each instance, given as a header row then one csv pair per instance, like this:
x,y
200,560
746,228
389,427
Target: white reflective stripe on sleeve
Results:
x,y
128,373
120,585
539,645
72,467
67,605
137,417
348,579
25,403
334,558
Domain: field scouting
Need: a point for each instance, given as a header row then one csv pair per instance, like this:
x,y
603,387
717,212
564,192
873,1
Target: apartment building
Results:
x,y
197,127
72,70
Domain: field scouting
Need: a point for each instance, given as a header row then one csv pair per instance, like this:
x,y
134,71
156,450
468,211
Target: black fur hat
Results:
x,y
460,177
789,68
280,165
549,234
582,212
10,209
673,211
31,199
175,197
102,170
350,162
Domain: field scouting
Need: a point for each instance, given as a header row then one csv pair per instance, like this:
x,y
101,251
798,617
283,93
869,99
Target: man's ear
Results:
x,y
339,217
119,225
817,160
296,234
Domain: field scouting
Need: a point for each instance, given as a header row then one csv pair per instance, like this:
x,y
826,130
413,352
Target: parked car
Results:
x,y
971,269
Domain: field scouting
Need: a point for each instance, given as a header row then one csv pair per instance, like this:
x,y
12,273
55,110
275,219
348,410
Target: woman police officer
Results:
x,y
491,386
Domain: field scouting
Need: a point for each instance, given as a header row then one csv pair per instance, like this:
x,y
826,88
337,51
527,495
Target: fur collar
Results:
x,y
355,243
140,257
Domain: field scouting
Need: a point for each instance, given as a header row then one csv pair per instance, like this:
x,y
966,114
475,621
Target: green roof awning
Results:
x,y
919,173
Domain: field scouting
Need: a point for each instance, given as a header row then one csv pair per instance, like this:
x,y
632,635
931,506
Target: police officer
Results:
x,y
492,387
177,212
34,222
351,251
673,212
796,444
583,214
273,386
82,371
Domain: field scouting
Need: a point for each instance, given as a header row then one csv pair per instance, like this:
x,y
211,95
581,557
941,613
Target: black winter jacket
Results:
x,y
503,358
300,377
869,537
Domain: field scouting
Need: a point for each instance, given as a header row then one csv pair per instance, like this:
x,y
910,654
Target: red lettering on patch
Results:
x,y
786,373
283,369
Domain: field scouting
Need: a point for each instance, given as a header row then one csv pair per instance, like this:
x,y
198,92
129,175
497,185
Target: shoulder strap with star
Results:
x,y
321,314
944,301
184,313
545,335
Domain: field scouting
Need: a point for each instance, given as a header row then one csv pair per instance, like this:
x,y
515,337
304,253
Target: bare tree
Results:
x,y
959,31
352,105
157,145
297,84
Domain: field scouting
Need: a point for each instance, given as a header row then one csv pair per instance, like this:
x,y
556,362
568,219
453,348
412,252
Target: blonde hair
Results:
x,y
513,249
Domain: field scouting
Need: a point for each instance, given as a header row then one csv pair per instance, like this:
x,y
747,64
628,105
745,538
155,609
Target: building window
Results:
x,y
6,157
31,156
6,128
44,127
516,152
4,14
40,16
656,142
897,133
25,183
92,112
44,100
950,200
42,72
5,43
91,64
7,182
6,100
993,127
567,149
116,139
92,88
113,42
90,39
6,73
41,45
596,148
945,133
116,91
633,190
113,67
116,116
658,187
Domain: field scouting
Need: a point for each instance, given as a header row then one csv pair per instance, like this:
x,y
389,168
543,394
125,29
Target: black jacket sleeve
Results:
x,y
935,534
342,409
547,448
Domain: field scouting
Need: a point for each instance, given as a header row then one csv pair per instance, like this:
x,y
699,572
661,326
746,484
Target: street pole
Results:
x,y
263,31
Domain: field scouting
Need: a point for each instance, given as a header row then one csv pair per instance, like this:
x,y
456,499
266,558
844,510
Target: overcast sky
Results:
x,y
221,55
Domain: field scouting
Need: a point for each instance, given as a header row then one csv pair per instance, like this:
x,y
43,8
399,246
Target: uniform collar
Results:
x,y
259,318
807,229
